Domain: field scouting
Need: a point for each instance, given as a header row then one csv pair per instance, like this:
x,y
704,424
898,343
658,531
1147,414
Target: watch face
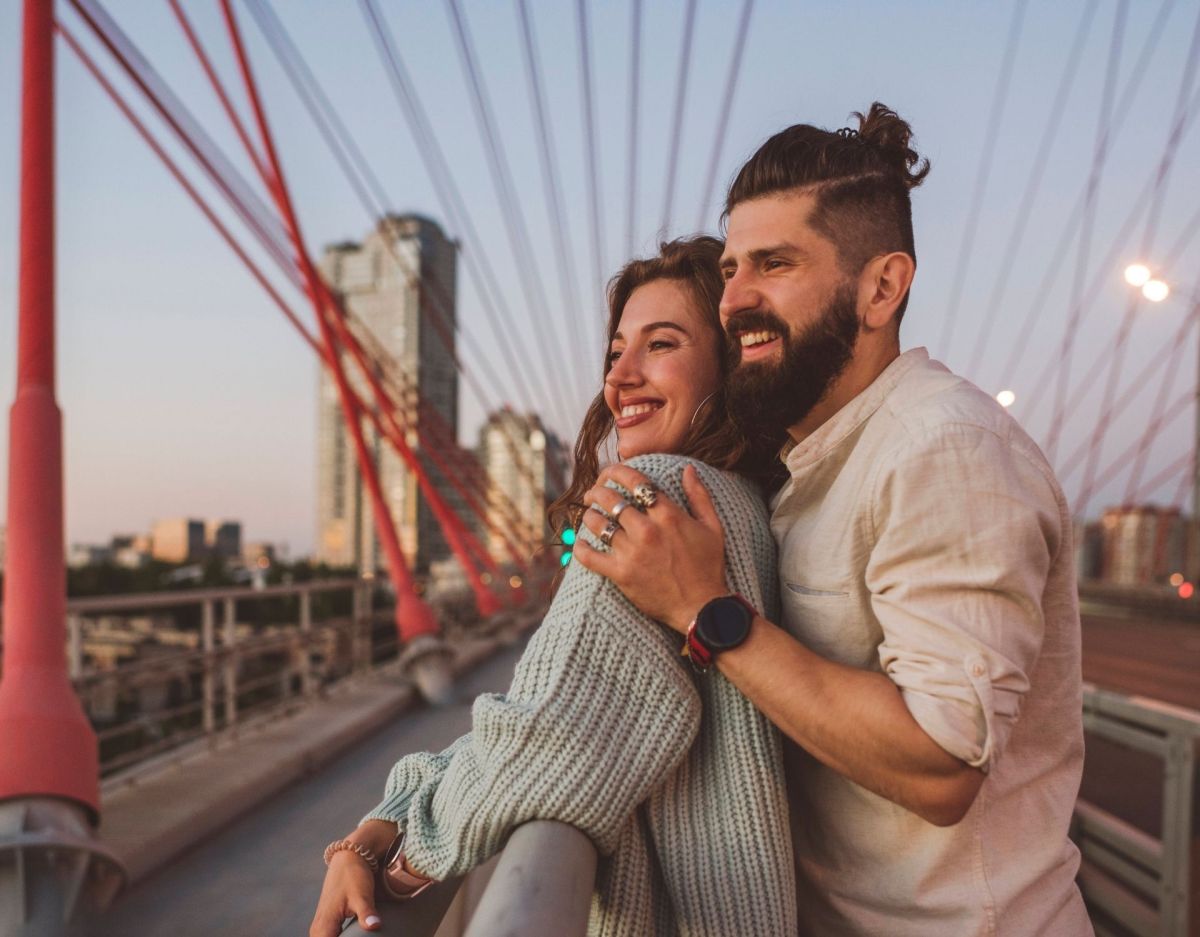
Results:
x,y
723,623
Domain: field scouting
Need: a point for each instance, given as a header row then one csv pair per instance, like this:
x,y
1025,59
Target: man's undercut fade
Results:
x,y
860,179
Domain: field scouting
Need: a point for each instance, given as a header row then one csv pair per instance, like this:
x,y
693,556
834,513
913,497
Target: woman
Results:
x,y
674,776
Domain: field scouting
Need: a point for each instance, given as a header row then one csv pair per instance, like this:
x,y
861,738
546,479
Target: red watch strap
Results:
x,y
700,656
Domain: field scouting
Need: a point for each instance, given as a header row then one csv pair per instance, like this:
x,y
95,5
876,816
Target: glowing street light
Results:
x,y
1156,290
1137,274
1006,398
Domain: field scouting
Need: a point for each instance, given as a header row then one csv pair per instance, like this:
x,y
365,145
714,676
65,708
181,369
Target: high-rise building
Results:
x,y
525,465
413,325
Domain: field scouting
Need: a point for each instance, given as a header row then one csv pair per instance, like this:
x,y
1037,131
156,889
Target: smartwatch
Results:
x,y
722,624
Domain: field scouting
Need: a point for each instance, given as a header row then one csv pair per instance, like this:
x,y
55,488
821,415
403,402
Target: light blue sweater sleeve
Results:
x,y
600,711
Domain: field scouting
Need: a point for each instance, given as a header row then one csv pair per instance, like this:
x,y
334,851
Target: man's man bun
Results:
x,y
887,131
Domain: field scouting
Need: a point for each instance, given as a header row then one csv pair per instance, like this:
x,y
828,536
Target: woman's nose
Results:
x,y
624,371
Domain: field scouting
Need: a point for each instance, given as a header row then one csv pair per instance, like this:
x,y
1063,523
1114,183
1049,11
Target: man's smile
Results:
x,y
757,345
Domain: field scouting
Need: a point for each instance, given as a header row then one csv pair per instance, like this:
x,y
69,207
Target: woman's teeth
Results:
x,y
634,409
749,339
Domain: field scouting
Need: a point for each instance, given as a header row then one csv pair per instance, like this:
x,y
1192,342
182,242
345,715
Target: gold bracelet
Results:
x,y
338,845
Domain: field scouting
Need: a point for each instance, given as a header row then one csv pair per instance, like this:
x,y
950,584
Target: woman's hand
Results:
x,y
349,888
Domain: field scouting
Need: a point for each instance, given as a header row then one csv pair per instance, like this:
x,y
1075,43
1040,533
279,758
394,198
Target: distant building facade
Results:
x,y
178,540
1142,545
374,282
131,550
223,539
259,553
525,465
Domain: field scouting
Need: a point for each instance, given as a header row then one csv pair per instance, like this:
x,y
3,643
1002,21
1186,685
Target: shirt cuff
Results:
x,y
964,721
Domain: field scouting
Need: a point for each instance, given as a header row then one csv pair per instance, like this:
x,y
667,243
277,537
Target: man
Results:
x,y
926,668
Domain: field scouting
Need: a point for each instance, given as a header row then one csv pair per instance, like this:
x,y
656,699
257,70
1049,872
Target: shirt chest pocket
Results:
x,y
831,622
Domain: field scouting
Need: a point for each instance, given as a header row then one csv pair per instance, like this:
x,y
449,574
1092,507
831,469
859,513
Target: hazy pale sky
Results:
x,y
185,392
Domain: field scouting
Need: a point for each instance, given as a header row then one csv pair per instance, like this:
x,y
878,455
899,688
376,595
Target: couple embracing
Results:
x,y
816,667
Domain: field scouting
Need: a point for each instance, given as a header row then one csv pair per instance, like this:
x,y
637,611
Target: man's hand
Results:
x,y
666,561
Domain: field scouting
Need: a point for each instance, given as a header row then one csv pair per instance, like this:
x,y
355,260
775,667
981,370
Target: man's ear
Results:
x,y
882,286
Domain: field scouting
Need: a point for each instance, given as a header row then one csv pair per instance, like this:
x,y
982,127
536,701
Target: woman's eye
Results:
x,y
613,356
660,343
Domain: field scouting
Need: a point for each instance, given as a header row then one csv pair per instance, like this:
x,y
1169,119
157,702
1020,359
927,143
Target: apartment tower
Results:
x,y
377,282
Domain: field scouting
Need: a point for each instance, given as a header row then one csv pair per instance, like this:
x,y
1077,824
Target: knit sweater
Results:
x,y
675,777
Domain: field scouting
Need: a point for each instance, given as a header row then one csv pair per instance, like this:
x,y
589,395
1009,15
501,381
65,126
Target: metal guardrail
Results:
x,y
541,887
228,673
1132,878
226,660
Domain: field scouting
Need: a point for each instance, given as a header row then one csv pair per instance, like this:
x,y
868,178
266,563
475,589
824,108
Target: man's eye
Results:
x,y
772,264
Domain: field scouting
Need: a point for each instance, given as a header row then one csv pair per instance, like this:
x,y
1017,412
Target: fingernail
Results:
x,y
372,920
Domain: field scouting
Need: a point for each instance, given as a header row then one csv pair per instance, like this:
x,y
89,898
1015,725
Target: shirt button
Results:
x,y
977,669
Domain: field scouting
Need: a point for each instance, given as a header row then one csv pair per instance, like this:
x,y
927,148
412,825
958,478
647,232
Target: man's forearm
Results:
x,y
855,721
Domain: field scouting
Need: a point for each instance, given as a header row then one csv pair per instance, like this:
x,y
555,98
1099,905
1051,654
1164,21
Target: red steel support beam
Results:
x,y
47,746
414,617
329,316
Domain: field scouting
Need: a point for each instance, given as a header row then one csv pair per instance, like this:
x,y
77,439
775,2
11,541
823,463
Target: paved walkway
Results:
x,y
260,876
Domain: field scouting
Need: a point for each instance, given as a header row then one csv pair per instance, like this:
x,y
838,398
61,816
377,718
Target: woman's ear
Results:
x,y
882,286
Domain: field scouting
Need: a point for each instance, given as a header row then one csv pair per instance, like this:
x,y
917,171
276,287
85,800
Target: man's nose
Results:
x,y
739,295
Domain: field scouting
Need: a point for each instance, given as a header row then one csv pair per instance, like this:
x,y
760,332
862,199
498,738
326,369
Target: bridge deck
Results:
x,y
261,875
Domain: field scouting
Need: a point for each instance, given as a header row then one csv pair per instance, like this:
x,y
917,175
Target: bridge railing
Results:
x,y
1138,882
541,887
160,670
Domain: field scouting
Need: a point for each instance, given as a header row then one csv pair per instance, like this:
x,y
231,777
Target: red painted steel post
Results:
x,y
47,746
414,617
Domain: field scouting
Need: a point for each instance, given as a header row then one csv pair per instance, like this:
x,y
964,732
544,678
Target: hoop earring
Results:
x,y
700,406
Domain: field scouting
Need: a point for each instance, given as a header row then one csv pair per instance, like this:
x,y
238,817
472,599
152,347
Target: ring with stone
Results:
x,y
644,496
609,531
617,508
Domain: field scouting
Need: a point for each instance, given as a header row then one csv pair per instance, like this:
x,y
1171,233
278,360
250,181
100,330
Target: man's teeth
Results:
x,y
749,339
634,409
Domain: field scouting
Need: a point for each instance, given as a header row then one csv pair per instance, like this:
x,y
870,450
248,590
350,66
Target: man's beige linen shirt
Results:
x,y
923,535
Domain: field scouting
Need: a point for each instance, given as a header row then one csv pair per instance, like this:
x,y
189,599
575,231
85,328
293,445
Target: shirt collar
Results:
x,y
831,433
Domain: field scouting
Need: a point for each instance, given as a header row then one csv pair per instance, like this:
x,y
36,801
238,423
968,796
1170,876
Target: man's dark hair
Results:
x,y
861,181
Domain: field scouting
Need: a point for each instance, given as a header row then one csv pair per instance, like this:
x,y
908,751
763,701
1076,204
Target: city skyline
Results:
x,y
181,388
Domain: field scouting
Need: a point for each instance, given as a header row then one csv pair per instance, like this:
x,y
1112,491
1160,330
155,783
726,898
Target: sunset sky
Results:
x,y
185,392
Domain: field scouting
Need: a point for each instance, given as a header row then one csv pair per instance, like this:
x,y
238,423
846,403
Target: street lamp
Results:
x,y
1137,274
1155,290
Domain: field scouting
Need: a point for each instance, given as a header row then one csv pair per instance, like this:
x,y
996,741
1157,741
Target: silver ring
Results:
x,y
609,532
620,506
644,496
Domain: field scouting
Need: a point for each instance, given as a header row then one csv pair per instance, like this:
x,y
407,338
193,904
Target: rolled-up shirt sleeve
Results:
x,y
965,530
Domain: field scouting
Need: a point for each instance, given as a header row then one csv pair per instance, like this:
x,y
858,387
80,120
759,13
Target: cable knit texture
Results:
x,y
674,776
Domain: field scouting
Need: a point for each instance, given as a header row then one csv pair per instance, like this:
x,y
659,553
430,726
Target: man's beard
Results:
x,y
766,398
